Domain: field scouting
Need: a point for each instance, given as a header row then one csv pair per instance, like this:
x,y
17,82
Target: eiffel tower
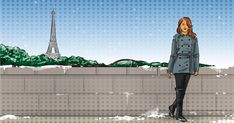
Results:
x,y
53,51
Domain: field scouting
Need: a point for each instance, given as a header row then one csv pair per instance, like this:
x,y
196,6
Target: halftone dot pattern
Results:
x,y
94,97
136,29
108,30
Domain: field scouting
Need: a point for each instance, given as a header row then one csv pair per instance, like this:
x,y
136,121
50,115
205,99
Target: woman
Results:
x,y
184,61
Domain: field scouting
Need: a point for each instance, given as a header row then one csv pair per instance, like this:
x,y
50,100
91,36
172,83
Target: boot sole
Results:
x,y
181,120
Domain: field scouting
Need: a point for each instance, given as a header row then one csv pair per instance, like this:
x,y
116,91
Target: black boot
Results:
x,y
179,115
179,105
172,109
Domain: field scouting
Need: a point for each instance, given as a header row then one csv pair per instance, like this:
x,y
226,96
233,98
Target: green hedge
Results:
x,y
19,57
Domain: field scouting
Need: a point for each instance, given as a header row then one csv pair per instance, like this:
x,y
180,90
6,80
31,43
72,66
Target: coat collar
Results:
x,y
182,34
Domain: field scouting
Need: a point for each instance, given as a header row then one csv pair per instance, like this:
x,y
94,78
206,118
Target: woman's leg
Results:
x,y
182,81
181,85
187,78
173,105
179,77
186,81
180,92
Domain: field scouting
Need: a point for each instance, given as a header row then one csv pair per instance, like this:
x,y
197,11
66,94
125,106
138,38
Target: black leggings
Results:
x,y
182,80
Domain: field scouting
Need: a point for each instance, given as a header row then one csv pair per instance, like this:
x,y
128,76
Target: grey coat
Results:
x,y
184,56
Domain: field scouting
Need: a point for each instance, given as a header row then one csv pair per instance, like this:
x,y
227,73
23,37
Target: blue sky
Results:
x,y
109,30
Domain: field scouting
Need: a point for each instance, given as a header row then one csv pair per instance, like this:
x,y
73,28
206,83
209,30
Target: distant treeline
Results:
x,y
19,57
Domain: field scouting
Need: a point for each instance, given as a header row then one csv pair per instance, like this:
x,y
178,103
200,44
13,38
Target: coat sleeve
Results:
x,y
196,56
172,56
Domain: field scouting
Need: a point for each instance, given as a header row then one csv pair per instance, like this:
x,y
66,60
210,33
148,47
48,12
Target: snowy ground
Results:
x,y
116,119
150,116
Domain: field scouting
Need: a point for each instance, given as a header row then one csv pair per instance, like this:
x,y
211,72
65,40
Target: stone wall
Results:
x,y
95,91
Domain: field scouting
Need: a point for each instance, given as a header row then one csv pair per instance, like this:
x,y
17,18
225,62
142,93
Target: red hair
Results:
x,y
189,24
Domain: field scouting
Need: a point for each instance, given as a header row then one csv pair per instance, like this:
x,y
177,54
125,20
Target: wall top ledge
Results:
x,y
106,70
17,70
50,71
229,70
111,70
81,70
1,71
142,70
208,70
202,70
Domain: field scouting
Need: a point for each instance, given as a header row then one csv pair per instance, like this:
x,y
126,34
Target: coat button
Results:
x,y
182,45
179,57
188,45
179,64
189,39
186,64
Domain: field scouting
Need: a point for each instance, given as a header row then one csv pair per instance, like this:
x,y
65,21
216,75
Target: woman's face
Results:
x,y
184,27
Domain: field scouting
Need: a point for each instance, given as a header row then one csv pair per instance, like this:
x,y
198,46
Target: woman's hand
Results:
x,y
196,73
169,75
